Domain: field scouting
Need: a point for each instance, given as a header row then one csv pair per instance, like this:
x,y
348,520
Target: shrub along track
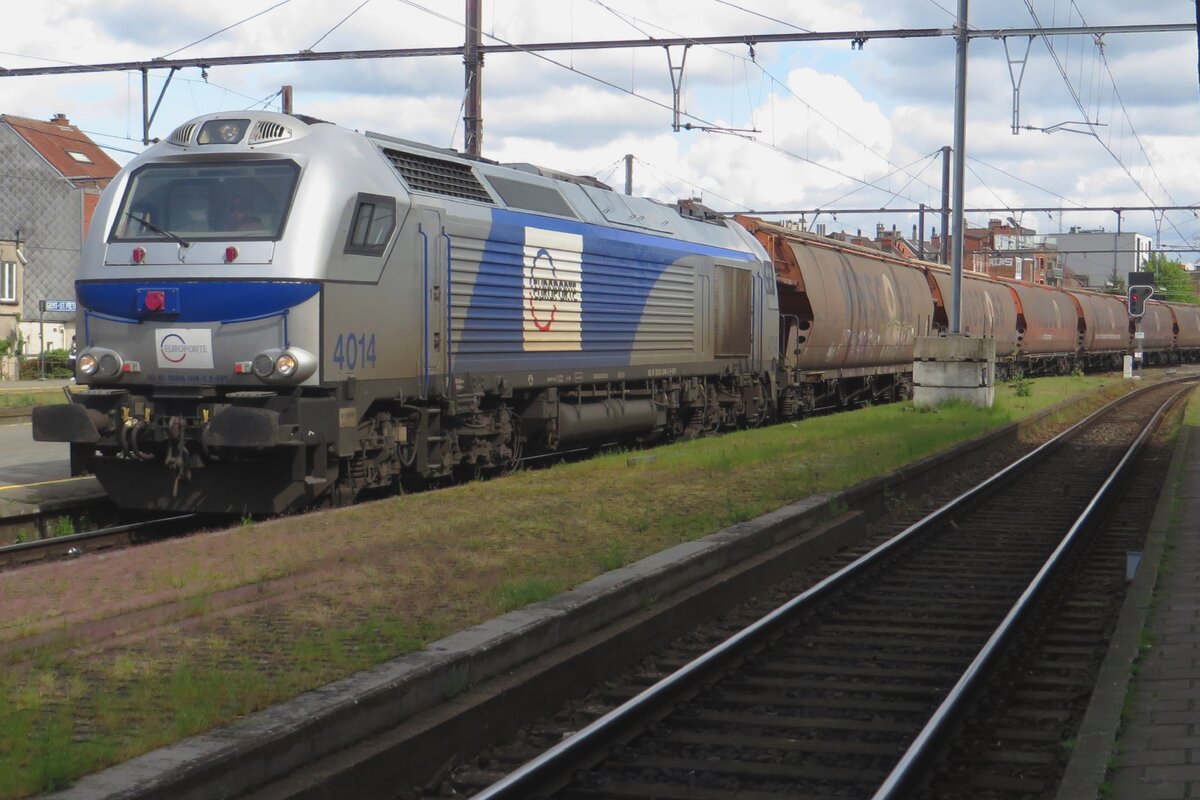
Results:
x,y
825,709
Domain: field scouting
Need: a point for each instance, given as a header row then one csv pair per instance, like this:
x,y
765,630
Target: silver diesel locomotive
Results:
x,y
275,311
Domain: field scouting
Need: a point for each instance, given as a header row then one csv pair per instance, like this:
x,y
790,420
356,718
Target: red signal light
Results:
x,y
155,301
231,254
139,255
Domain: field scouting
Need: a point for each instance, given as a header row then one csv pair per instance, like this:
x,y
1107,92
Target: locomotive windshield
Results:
x,y
205,202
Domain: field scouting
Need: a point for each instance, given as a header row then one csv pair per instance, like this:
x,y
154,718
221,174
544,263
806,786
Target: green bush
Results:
x,y
56,366
1022,386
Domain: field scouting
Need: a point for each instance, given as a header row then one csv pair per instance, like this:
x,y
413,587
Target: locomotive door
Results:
x,y
435,346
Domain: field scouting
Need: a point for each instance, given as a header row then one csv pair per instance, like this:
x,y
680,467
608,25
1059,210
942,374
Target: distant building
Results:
x,y
11,306
1098,258
1006,250
896,243
51,176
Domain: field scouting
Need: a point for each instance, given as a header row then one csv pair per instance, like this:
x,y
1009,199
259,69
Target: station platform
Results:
x,y
1140,738
35,477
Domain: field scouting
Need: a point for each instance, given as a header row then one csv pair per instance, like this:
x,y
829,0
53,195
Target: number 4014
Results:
x,y
354,349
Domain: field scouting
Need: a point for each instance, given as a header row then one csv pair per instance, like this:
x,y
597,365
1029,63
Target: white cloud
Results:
x,y
859,115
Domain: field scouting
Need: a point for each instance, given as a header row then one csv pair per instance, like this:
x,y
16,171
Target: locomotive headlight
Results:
x,y
263,365
100,363
110,364
286,365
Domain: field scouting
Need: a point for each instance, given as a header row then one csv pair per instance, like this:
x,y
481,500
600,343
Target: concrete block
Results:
x,y
927,396
954,368
954,348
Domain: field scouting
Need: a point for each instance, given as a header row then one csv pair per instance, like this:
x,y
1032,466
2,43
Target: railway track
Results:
x,y
101,539
857,687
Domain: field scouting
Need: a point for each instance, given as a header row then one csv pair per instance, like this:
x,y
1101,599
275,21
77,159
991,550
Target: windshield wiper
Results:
x,y
148,224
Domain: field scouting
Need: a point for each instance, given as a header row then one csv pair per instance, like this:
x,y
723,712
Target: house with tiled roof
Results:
x,y
51,176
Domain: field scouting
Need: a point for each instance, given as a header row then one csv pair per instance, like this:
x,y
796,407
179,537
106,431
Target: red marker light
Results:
x,y
139,255
155,301
231,254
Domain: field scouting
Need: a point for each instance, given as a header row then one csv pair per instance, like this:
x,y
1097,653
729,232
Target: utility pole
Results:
x,y
473,59
946,205
921,231
629,173
960,142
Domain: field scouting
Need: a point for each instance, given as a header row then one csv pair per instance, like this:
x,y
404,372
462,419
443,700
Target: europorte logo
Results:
x,y
552,290
184,348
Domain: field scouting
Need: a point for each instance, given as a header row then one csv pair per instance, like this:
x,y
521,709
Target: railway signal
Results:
x,y
1138,295
1141,289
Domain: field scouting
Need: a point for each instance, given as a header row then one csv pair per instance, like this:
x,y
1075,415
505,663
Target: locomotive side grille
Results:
x,y
267,131
424,174
182,135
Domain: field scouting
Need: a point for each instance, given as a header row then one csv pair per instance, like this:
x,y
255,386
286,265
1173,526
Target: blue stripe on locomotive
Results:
x,y
196,301
620,269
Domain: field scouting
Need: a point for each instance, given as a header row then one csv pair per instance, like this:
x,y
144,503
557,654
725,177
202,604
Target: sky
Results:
x,y
816,125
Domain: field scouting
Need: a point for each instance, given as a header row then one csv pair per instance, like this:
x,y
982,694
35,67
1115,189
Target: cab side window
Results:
x,y
372,225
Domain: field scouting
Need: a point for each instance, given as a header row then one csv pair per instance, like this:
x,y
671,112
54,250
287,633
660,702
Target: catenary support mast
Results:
x,y
960,142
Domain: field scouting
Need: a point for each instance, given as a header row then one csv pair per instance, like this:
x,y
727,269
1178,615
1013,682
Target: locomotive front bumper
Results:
x,y
69,423
234,426
220,456
238,426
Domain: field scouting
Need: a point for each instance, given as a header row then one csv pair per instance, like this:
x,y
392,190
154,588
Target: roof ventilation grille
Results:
x,y
268,131
182,135
425,174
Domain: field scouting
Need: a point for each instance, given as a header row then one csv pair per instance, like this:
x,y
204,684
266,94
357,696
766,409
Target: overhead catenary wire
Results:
x,y
704,123
1083,110
226,28
929,159
782,85
325,35
686,182
761,15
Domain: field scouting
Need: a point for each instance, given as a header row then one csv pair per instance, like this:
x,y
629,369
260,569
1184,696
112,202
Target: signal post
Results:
x,y
1141,289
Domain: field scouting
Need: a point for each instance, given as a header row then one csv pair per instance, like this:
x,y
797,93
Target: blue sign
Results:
x,y
60,305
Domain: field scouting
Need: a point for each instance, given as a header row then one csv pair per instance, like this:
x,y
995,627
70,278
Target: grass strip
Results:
x,y
336,592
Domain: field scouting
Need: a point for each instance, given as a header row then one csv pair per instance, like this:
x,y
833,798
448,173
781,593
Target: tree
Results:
x,y
1172,281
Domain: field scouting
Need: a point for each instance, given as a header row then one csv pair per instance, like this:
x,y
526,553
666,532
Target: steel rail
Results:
x,y
520,782
923,748
11,554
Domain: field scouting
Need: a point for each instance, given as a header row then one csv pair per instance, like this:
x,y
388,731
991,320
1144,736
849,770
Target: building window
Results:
x,y
82,158
8,282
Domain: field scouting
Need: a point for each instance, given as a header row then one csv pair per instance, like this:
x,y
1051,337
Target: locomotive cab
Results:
x,y
200,303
